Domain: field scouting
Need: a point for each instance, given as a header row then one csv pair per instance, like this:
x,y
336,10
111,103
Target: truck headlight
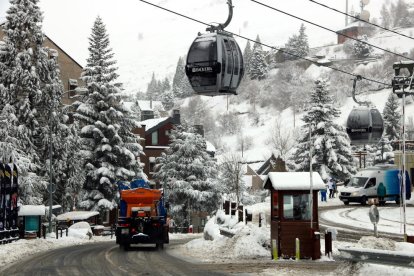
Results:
x,y
355,194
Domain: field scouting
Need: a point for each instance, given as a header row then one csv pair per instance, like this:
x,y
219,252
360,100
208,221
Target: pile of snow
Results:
x,y
81,230
249,241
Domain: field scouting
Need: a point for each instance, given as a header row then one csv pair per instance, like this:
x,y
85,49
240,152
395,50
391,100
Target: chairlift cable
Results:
x,y
325,28
387,85
362,20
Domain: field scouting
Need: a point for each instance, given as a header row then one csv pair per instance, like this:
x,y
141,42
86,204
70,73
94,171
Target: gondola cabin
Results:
x,y
364,125
215,64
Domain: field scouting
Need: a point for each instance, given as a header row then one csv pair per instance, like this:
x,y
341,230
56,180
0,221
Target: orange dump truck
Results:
x,y
142,218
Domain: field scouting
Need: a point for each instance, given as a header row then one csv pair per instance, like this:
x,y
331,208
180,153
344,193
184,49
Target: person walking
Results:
x,y
323,194
381,192
330,187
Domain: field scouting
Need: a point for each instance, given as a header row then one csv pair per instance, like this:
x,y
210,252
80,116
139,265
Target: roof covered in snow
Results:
x,y
32,210
77,215
151,123
294,181
210,147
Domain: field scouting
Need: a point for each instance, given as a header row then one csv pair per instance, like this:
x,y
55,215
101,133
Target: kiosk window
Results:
x,y
296,207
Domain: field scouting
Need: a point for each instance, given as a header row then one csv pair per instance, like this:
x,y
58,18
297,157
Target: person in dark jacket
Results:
x,y
381,192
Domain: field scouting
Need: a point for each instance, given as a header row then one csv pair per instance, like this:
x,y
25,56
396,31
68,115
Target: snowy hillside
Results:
x,y
259,131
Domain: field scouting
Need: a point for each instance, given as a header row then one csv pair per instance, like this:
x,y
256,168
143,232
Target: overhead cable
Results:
x,y
362,20
325,28
271,47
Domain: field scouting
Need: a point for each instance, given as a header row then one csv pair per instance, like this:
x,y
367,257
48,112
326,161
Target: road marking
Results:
x,y
107,257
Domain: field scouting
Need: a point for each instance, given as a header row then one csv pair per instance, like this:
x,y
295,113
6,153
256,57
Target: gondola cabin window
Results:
x,y
203,55
296,207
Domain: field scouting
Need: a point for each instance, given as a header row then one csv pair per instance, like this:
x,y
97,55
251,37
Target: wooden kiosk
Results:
x,y
291,215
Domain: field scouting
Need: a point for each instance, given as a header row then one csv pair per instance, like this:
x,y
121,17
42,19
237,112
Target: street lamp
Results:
x,y
79,92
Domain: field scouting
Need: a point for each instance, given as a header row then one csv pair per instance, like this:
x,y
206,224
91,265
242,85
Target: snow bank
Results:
x,y
81,230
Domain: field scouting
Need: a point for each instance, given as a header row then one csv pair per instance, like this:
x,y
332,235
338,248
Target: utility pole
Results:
x,y
311,176
346,11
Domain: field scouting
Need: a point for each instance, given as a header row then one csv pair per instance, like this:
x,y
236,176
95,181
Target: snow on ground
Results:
x,y
253,243
250,242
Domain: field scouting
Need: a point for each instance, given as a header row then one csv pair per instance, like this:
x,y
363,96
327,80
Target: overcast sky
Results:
x,y
146,39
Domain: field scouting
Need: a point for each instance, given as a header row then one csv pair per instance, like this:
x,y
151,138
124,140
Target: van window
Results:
x,y
358,182
371,183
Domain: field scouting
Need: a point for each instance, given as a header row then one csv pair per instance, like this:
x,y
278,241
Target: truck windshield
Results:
x,y
357,182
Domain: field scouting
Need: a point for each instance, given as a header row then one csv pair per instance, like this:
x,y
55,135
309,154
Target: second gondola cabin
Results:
x,y
215,64
364,125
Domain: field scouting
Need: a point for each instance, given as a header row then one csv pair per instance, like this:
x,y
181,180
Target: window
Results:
x,y
371,183
229,57
73,84
152,165
154,138
296,207
167,132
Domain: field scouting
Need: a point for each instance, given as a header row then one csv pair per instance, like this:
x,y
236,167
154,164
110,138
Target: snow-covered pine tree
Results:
x,y
12,147
361,49
247,55
181,85
332,156
30,83
110,148
75,175
392,116
187,173
167,99
257,67
400,14
153,89
385,16
297,45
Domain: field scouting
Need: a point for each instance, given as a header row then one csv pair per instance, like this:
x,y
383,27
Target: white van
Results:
x,y
363,185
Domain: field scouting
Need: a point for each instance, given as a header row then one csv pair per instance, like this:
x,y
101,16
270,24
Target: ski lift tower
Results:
x,y
403,86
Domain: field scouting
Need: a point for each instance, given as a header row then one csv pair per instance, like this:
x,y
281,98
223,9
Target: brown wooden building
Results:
x,y
156,140
291,216
353,30
70,69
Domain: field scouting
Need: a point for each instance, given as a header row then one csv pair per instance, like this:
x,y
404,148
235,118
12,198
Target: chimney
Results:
x,y
199,129
176,117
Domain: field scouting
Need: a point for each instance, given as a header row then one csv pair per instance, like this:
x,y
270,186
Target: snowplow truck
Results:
x,y
141,218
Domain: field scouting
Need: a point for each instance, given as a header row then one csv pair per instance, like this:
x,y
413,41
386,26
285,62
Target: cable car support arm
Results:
x,y
357,78
221,27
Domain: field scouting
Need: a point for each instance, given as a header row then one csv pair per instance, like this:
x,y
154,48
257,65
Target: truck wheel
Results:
x,y
160,246
397,200
125,246
364,200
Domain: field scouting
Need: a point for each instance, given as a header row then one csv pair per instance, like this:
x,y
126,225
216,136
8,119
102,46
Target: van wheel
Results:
x,y
346,202
364,200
